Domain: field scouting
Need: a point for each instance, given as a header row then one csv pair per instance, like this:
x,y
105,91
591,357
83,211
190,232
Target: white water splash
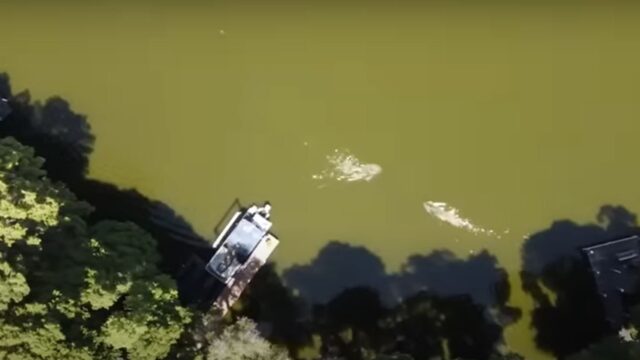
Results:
x,y
629,334
451,216
345,167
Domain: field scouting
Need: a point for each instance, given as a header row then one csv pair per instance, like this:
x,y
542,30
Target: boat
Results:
x,y
242,240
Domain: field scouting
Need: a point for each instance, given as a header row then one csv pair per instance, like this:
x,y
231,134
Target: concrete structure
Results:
x,y
616,271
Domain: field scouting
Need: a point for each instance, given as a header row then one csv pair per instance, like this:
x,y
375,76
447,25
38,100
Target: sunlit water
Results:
x,y
468,126
450,215
346,167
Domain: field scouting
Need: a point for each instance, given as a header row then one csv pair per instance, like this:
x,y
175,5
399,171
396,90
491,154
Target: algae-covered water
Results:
x,y
400,126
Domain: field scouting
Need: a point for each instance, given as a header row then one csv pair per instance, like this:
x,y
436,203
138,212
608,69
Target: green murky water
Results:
x,y
515,115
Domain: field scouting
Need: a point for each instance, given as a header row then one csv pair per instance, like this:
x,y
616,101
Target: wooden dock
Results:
x,y
231,293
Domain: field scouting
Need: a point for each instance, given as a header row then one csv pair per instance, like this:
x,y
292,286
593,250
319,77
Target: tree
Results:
x,y
507,356
69,290
150,321
242,341
611,349
393,357
30,206
624,346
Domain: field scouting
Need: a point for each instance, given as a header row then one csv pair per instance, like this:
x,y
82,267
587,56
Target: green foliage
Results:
x,y
73,291
29,203
624,346
13,286
242,341
121,253
611,348
150,321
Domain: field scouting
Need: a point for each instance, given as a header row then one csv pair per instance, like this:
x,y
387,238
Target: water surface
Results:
x,y
511,115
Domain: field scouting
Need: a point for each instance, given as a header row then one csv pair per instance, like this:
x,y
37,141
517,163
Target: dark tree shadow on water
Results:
x,y
64,139
568,313
437,304
278,311
448,275
347,298
56,133
337,267
340,266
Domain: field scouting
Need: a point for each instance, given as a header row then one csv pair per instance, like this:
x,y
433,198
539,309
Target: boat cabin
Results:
x,y
238,241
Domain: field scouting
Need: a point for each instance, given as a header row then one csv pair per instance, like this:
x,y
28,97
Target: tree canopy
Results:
x,y
623,346
71,290
242,341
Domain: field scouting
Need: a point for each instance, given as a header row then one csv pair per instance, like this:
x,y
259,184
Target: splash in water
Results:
x,y
345,167
451,215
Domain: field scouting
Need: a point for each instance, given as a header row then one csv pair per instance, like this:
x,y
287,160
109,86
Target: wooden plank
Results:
x,y
243,276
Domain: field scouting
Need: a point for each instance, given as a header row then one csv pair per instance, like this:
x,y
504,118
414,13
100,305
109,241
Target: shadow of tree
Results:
x,y
337,267
445,274
177,240
436,304
64,139
347,299
57,134
568,314
340,266
424,325
280,313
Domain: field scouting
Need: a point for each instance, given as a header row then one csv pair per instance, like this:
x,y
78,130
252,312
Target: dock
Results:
x,y
232,292
615,266
215,276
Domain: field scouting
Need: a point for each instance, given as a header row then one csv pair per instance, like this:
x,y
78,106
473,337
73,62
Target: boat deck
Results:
x,y
615,266
241,279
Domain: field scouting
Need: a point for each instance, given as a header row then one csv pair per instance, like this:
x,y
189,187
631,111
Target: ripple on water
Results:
x,y
343,166
451,215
